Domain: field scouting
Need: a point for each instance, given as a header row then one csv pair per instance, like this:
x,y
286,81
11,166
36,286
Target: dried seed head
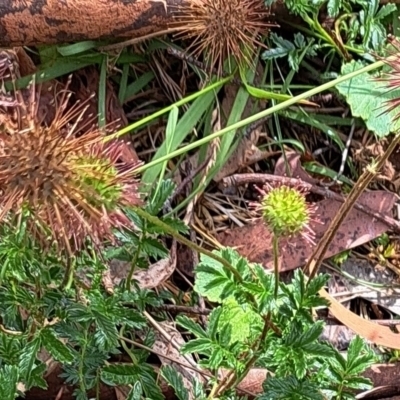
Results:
x,y
222,29
72,188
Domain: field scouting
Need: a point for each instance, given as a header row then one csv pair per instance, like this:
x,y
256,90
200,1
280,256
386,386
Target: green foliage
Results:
x,y
80,327
360,26
8,382
175,381
251,327
85,327
294,51
119,374
366,97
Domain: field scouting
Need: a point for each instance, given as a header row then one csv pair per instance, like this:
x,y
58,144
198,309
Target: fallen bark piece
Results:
x,y
34,22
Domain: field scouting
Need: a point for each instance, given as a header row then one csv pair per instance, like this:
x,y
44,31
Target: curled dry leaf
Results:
x,y
255,241
253,381
154,276
294,167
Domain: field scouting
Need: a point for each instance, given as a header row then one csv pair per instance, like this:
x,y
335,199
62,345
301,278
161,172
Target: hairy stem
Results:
x,y
275,250
69,274
166,228
133,265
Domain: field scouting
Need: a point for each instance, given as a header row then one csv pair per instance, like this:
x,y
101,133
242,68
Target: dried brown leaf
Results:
x,y
154,276
254,241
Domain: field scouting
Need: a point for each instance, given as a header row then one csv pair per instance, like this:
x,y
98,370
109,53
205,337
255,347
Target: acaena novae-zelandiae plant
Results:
x,y
220,29
285,211
67,187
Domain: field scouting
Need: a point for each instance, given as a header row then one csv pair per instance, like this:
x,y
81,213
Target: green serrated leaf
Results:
x,y
217,356
318,349
120,374
8,382
201,346
244,322
385,11
333,7
136,392
191,326
174,379
106,335
37,377
300,365
149,384
160,196
154,248
207,271
176,224
359,356
359,383
289,388
309,336
221,283
55,347
28,357
213,322
366,98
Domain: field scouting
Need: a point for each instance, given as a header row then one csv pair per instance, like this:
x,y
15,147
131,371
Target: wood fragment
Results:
x,y
35,22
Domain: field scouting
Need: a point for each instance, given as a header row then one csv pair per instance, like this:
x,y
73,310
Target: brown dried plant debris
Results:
x,y
223,29
67,188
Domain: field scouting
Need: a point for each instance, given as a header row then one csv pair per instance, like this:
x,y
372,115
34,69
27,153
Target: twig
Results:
x,y
370,172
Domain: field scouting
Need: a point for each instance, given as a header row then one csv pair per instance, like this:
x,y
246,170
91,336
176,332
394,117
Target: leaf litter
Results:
x,y
254,241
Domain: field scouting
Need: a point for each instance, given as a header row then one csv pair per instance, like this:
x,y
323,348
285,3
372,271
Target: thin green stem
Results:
x,y
275,250
125,346
133,265
69,273
166,228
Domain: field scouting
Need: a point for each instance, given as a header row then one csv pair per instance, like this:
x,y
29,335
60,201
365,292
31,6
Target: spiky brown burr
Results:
x,y
223,29
68,188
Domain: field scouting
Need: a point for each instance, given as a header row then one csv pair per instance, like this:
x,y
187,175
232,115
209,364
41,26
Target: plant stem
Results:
x,y
133,265
166,228
370,172
159,113
275,250
69,273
